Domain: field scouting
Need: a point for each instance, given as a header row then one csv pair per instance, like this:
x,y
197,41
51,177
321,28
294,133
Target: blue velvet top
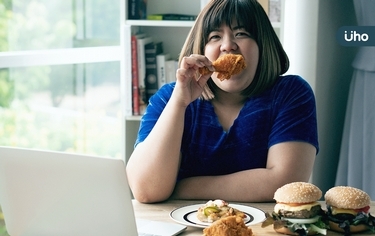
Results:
x,y
285,112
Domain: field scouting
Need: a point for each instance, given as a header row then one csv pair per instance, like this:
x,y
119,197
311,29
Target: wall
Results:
x,y
333,76
310,41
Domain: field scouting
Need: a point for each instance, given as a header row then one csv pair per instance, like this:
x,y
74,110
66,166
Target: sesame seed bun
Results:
x,y
346,197
298,192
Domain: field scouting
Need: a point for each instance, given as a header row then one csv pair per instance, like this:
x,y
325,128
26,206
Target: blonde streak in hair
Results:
x,y
192,42
193,45
207,93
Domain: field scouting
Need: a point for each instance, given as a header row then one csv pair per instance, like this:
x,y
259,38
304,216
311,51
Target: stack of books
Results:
x,y
171,17
151,69
137,10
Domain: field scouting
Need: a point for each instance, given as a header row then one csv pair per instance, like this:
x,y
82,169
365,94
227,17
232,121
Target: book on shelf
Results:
x,y
171,17
137,9
128,96
151,51
171,67
160,63
135,75
141,44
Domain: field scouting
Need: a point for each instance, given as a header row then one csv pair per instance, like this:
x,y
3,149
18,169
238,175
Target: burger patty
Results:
x,y
303,214
341,217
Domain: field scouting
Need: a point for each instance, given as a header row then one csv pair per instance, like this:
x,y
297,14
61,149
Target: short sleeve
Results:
x,y
294,112
154,109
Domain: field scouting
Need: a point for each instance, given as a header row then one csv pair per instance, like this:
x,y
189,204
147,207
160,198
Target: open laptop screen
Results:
x,y
52,193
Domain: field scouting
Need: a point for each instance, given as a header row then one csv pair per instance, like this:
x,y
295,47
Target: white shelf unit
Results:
x,y
172,34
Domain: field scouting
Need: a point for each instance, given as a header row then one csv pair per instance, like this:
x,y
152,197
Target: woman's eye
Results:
x,y
242,34
214,37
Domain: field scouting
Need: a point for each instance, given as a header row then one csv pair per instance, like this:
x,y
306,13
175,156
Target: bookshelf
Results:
x,y
172,34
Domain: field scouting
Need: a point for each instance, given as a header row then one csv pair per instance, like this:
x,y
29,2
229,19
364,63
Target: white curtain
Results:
x,y
357,157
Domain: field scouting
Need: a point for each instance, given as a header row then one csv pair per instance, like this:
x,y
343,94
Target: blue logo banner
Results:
x,y
356,36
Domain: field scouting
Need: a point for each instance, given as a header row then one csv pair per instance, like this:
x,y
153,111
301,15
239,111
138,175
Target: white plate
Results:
x,y
187,215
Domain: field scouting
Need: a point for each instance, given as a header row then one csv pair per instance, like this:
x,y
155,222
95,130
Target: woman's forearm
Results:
x,y
254,185
245,186
152,168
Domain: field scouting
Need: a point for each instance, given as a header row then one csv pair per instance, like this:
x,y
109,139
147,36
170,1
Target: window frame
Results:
x,y
77,55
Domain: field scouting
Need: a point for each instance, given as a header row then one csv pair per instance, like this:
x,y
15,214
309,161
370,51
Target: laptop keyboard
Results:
x,y
157,228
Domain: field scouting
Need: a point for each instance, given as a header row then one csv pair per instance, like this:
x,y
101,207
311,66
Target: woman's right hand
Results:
x,y
189,83
154,164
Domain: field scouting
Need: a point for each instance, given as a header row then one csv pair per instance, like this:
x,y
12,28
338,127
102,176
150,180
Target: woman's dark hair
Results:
x,y
273,61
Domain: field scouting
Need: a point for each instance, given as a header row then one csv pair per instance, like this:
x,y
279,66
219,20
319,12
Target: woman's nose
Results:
x,y
228,44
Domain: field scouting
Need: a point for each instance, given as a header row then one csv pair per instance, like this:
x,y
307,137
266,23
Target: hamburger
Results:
x,y
297,211
348,210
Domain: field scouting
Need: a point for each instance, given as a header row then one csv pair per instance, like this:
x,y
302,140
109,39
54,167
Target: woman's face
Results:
x,y
235,40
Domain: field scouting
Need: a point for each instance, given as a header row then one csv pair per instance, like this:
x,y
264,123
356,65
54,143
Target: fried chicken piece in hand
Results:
x,y
226,66
228,226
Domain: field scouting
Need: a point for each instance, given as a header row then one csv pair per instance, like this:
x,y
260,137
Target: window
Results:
x,y
52,24
60,81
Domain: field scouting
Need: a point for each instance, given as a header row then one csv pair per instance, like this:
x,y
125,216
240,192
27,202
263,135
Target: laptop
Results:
x,y
55,193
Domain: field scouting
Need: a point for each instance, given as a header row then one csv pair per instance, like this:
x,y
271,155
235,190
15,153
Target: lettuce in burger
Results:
x,y
297,211
348,210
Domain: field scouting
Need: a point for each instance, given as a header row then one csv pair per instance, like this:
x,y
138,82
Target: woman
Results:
x,y
238,139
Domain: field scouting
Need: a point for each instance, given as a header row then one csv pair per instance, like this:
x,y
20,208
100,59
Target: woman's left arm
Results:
x,y
287,162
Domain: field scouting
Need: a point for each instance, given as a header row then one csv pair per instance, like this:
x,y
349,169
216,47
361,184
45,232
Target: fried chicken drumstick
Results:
x,y
229,226
226,66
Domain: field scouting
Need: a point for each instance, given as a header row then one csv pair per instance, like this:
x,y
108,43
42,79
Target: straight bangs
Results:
x,y
230,13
